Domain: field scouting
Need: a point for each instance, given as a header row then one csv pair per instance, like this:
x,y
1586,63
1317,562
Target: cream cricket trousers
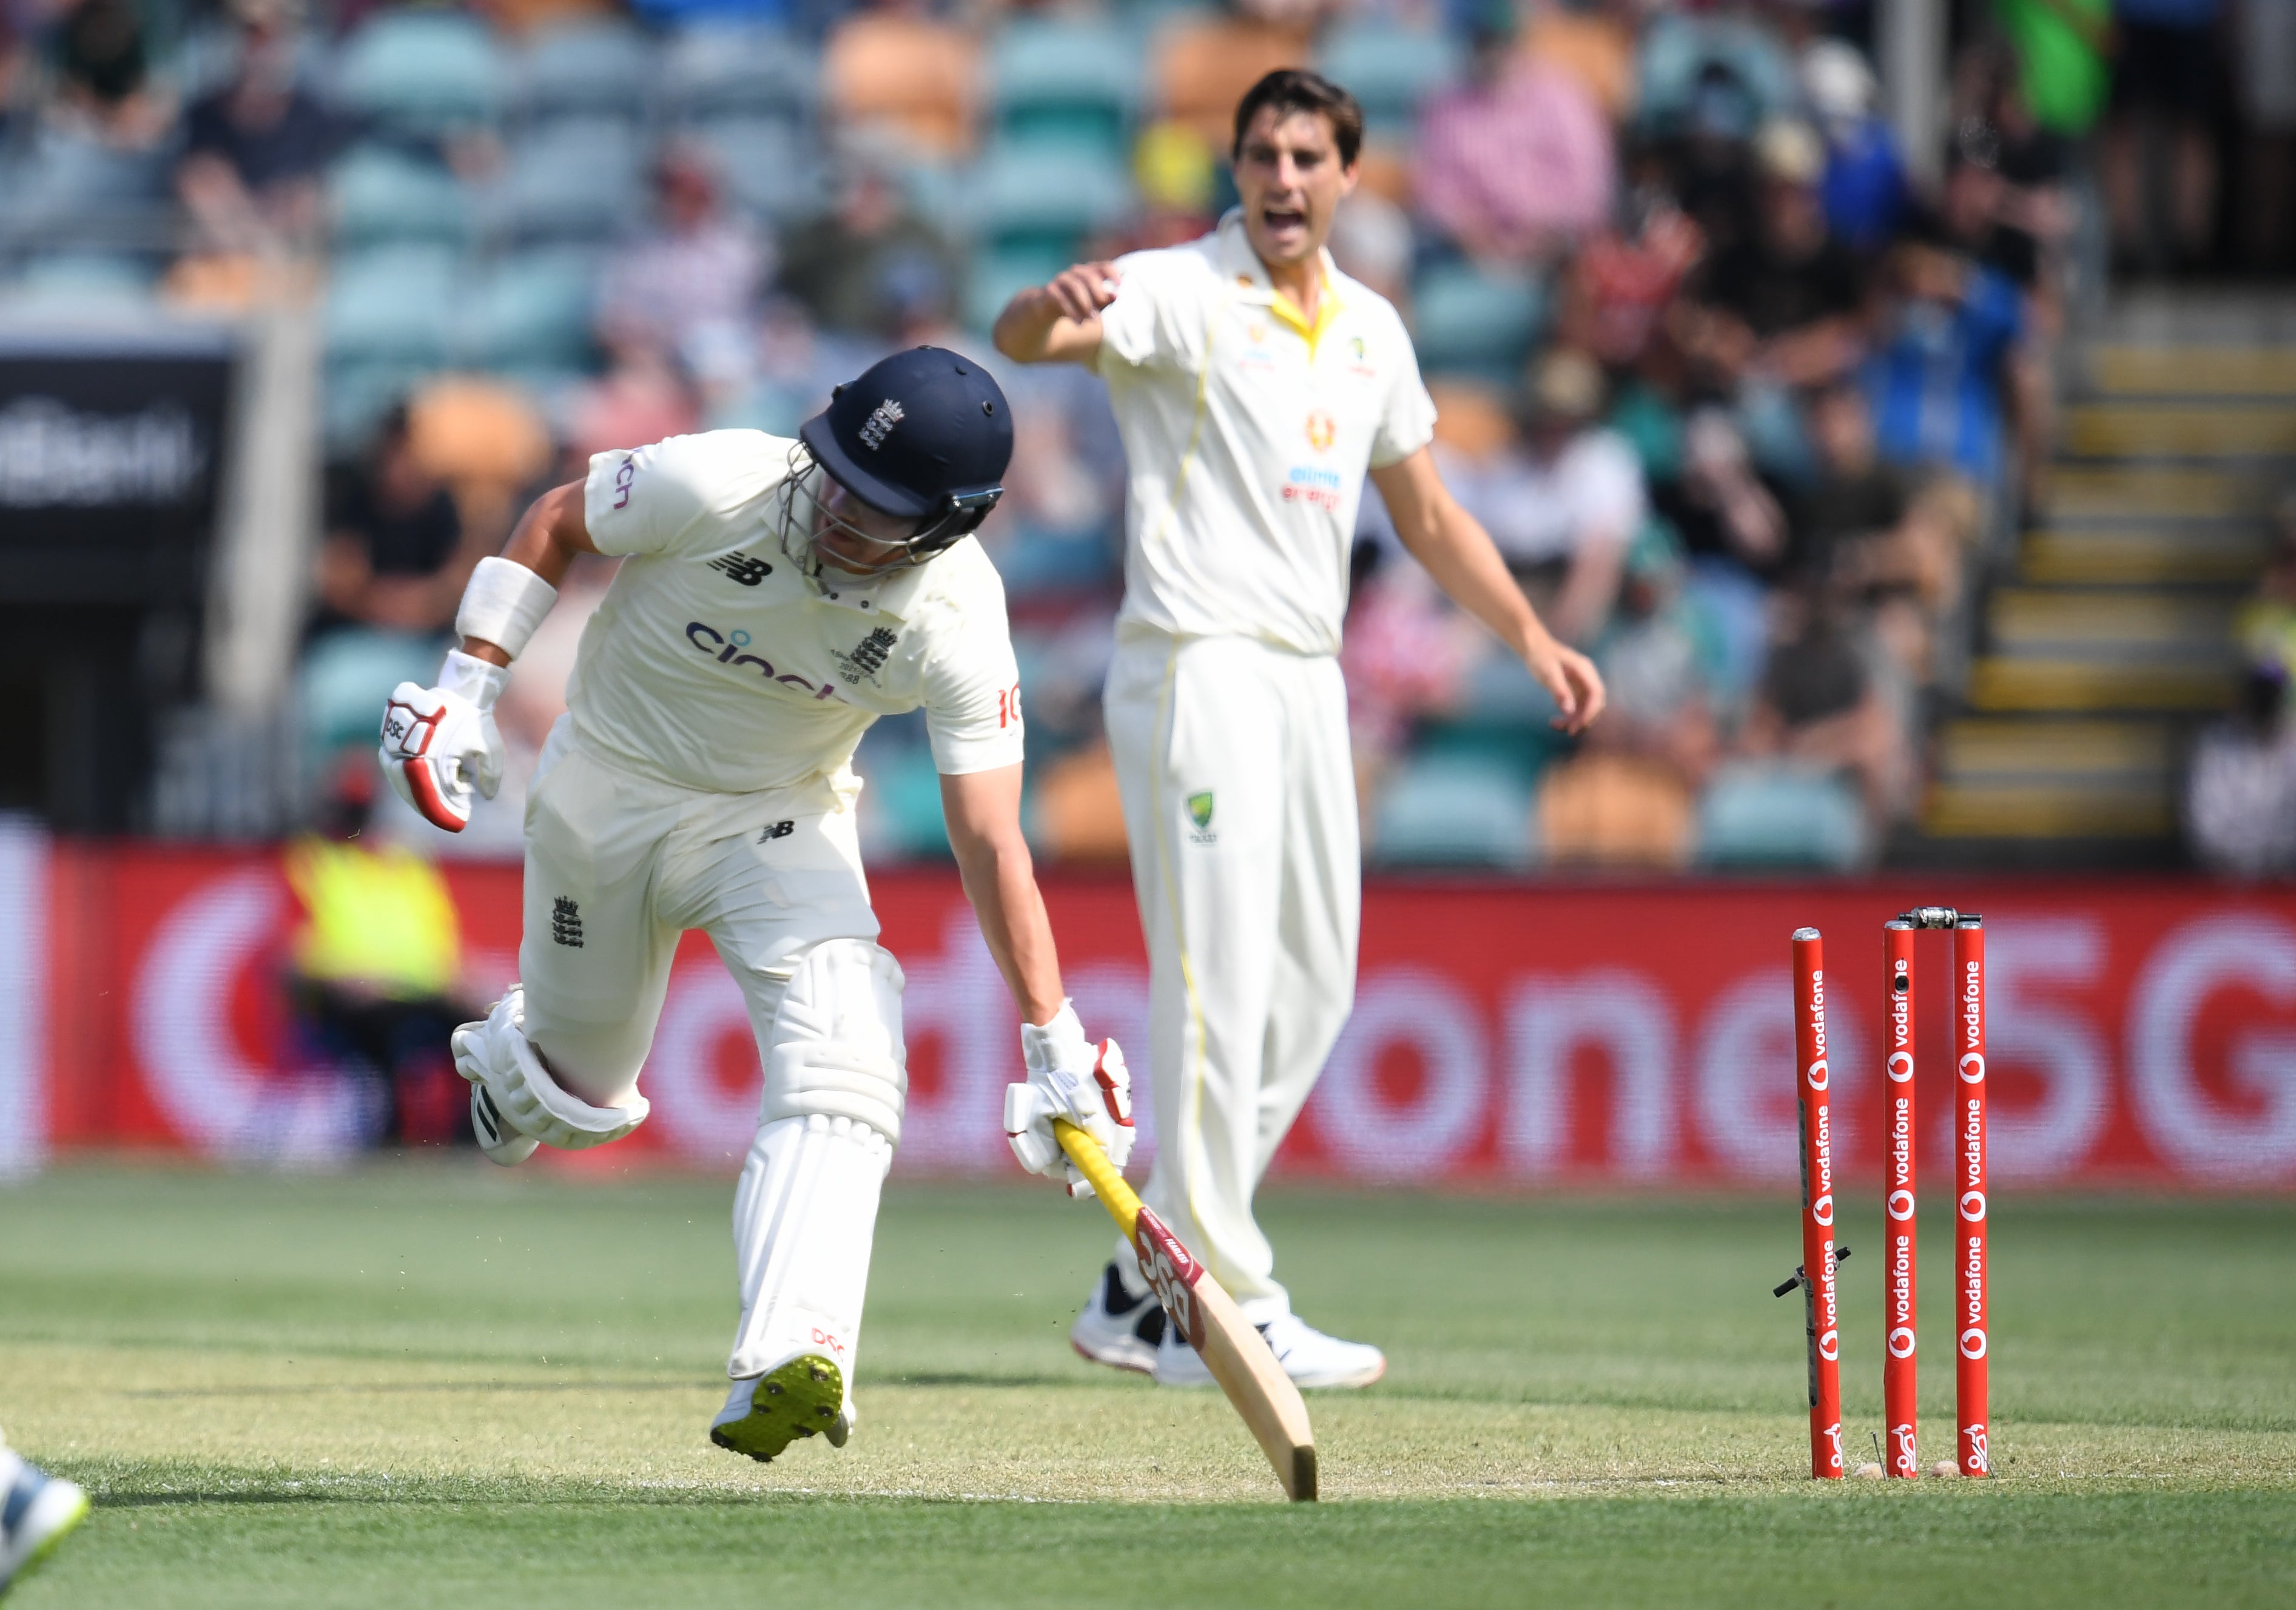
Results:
x,y
1240,805
617,865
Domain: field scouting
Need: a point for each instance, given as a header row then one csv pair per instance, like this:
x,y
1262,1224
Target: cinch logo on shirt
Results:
x,y
725,648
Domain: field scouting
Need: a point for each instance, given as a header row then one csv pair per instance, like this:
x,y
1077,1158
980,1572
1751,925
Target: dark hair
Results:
x,y
1289,89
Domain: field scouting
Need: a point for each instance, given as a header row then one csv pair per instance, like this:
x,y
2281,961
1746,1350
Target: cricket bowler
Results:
x,y
776,597
1254,385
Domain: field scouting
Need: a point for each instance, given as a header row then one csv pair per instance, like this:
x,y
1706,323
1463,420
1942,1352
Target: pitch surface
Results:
x,y
433,1384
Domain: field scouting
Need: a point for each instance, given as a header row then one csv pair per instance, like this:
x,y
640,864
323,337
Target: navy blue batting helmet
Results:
x,y
925,435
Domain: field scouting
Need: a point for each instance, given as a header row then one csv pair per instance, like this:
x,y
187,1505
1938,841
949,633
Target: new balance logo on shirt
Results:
x,y
743,567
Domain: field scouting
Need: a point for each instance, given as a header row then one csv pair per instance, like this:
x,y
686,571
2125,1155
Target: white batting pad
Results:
x,y
836,1050
805,1217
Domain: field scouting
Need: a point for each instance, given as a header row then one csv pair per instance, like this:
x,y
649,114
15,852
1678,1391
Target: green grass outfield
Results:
x,y
433,1384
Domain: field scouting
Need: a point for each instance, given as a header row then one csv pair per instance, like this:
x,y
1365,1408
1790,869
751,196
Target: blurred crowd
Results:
x,y
1742,389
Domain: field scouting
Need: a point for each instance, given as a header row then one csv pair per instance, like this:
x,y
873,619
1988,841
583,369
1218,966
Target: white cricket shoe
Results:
x,y
36,1510
1309,1357
803,1398
1117,1329
502,1141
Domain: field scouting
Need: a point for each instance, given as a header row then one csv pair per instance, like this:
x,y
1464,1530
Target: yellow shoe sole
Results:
x,y
48,1544
799,1400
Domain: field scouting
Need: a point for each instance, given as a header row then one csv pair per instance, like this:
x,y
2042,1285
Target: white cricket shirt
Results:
x,y
714,664
1247,434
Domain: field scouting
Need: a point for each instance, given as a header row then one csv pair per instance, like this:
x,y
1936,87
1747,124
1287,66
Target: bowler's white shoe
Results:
x,y
1117,1329
1309,1357
36,1510
803,1398
1312,1358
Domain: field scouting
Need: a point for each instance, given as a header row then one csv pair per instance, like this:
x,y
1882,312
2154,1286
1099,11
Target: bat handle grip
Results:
x,y
1092,1164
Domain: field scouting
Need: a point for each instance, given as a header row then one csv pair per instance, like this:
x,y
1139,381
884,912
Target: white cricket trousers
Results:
x,y
1240,805
617,865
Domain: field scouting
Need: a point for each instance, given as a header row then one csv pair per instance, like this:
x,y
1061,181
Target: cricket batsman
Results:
x,y
1254,385
774,598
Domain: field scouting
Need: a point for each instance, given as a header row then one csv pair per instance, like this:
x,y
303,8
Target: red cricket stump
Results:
x,y
1970,1328
1820,1296
1900,1365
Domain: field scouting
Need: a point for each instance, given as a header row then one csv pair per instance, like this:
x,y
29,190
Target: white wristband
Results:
x,y
475,679
502,604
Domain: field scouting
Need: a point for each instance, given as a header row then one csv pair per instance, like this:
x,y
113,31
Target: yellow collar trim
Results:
x,y
1327,309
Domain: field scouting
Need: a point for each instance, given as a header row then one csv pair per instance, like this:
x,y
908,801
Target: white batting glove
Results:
x,y
1069,1076
440,742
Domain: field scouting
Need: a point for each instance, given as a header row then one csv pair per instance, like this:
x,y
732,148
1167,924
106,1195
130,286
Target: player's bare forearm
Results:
x,y
1454,549
545,540
982,809
1059,321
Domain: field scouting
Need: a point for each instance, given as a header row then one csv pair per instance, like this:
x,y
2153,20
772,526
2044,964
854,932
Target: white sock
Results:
x,y
805,1216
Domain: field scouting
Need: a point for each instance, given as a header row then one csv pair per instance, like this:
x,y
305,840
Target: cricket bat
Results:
x,y
1208,1316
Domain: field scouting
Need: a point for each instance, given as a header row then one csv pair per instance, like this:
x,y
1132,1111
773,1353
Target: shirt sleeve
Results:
x,y
643,500
1157,320
973,689
1407,423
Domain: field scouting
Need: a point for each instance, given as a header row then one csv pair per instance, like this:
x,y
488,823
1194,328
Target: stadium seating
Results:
x,y
1389,70
1455,808
529,315
1066,83
378,195
770,167
592,69
1472,322
569,181
718,70
422,74
1755,814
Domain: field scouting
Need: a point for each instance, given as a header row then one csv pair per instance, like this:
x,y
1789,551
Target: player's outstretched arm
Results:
x,y
1069,1076
440,743
1059,321
1459,555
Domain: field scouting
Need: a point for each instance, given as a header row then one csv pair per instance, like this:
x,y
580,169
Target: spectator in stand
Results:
x,y
2240,798
1615,296
2061,47
1515,164
1564,508
2266,56
1825,701
687,288
392,558
2166,90
376,963
1783,306
1944,350
255,150
2265,626
1867,526
1865,188
104,65
855,268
